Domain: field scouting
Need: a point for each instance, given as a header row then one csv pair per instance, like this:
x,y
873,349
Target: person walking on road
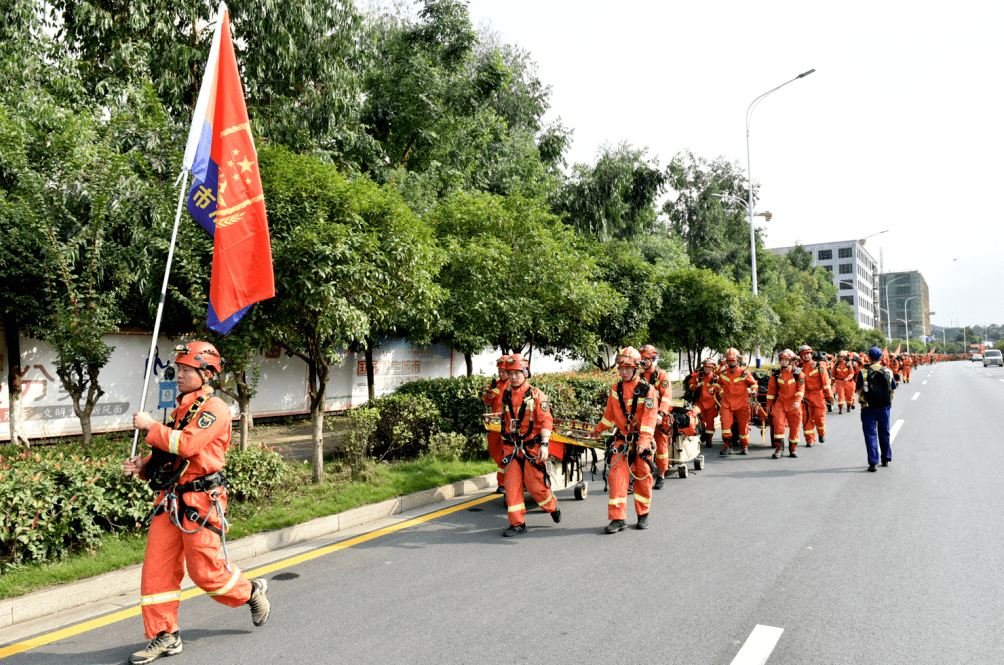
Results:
x,y
734,385
187,525
632,410
703,385
818,394
493,400
784,401
876,386
658,379
526,431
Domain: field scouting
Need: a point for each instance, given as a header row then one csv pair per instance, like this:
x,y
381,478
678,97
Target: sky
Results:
x,y
898,129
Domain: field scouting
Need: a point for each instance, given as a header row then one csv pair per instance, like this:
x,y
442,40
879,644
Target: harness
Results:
x,y
516,440
628,442
165,477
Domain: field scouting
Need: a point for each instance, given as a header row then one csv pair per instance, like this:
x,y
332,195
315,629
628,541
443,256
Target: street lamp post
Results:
x,y
906,323
749,174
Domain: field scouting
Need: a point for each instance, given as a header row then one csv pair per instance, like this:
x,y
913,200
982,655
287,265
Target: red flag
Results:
x,y
898,347
242,253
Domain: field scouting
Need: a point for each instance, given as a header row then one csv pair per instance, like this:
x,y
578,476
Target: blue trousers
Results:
x,y
872,419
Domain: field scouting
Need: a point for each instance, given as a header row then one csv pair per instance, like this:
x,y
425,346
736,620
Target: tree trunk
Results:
x,y
469,361
244,402
370,380
12,336
317,437
317,375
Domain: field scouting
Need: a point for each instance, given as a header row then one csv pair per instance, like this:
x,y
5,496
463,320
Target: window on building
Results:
x,y
845,252
848,299
846,268
825,254
828,268
846,285
902,290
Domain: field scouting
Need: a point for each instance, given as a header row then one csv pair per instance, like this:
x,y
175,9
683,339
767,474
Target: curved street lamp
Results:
x,y
749,174
906,322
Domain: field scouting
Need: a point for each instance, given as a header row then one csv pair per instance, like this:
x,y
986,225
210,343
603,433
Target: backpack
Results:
x,y
876,387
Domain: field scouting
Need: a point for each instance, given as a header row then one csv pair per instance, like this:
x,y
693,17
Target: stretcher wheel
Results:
x,y
581,490
682,471
698,463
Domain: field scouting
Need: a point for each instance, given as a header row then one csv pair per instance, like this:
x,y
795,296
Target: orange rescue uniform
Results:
x,y
493,399
844,376
733,387
817,383
636,431
704,384
658,379
203,442
784,400
525,412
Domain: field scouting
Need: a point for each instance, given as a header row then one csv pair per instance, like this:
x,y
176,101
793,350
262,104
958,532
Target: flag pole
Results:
x,y
183,178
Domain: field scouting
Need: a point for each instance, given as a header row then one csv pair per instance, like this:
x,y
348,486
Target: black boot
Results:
x,y
659,483
615,526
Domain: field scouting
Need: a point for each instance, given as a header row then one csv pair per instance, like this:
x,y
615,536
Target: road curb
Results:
x,y
46,602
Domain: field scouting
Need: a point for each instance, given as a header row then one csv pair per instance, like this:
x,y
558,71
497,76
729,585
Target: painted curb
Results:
x,y
43,603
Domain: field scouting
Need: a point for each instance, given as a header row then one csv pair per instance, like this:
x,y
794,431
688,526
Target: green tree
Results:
x,y
716,233
616,197
517,278
348,255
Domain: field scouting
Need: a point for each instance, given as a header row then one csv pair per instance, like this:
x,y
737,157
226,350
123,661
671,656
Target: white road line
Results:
x,y
759,646
1001,380
924,382
895,430
915,396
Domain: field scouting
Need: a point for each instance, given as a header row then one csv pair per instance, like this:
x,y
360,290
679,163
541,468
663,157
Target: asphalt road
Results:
x,y
899,566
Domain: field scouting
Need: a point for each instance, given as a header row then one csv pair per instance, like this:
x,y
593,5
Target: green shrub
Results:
x,y
447,446
576,396
458,400
358,438
254,474
405,426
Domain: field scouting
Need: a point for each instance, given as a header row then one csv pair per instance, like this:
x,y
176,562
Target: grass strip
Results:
x,y
293,504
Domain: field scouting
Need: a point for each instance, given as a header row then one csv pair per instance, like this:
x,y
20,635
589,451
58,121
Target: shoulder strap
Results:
x,y
187,418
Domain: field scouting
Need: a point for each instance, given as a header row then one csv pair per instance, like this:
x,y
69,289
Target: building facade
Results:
x,y
855,274
908,300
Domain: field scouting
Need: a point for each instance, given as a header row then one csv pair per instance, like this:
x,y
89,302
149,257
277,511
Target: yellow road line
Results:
x,y
55,636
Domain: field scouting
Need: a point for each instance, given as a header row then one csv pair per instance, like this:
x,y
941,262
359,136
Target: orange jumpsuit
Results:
x,y
784,400
733,386
637,433
907,366
493,399
659,380
844,376
894,365
817,382
203,442
525,412
702,384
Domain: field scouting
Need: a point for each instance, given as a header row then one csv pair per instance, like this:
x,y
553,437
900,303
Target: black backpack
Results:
x,y
877,387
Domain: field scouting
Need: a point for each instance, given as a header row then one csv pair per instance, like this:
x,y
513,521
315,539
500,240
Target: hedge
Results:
x,y
64,497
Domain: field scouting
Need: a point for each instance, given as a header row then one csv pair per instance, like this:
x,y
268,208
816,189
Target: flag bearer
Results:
x,y
187,525
632,409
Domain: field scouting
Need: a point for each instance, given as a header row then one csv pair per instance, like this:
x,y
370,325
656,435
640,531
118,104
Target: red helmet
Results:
x,y
708,362
787,353
516,361
805,348
628,357
500,363
732,354
649,351
200,355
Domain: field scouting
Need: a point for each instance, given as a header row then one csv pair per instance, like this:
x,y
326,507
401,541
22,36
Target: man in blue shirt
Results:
x,y
876,386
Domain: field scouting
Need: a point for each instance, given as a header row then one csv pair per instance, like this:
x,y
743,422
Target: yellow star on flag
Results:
x,y
245,165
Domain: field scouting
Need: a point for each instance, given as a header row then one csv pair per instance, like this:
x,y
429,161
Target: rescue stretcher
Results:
x,y
683,448
570,439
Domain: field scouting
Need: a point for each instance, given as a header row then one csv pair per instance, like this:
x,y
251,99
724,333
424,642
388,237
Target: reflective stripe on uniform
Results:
x,y
229,585
173,441
810,431
606,422
518,506
664,456
726,431
647,429
158,598
617,502
641,499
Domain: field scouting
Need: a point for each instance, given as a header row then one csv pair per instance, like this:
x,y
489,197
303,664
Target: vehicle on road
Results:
x,y
993,357
976,357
